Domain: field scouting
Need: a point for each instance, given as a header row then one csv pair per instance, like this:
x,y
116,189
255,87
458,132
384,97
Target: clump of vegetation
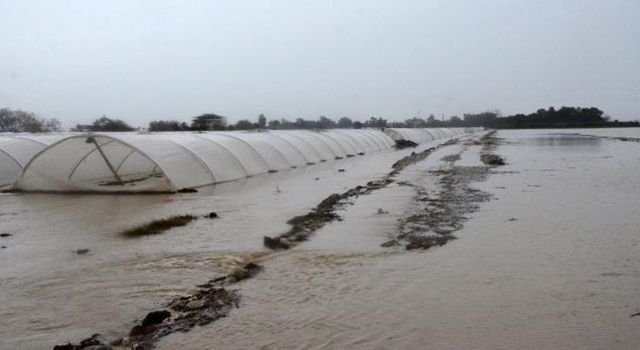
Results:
x,y
168,125
452,158
159,226
492,159
426,242
211,301
400,144
105,124
415,157
109,124
21,121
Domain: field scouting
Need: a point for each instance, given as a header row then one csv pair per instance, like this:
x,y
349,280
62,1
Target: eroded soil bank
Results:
x,y
443,207
304,226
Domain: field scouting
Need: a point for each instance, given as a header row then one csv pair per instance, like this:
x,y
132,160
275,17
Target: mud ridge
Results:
x,y
400,144
443,210
629,139
489,143
211,301
303,226
614,138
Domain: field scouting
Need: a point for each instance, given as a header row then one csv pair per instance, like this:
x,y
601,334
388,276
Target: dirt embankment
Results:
x,y
489,143
630,139
303,226
442,210
208,303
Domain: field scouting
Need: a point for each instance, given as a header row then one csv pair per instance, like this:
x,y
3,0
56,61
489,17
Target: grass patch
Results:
x,y
492,159
159,226
400,144
451,158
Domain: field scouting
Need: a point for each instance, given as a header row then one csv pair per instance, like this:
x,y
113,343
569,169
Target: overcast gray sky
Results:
x,y
157,59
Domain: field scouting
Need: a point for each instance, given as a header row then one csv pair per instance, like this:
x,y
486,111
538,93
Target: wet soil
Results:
x,y
158,226
400,144
492,159
211,301
444,209
489,143
303,226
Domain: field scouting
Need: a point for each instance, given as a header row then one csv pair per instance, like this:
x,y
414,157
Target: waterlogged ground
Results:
x,y
551,261
51,294
610,132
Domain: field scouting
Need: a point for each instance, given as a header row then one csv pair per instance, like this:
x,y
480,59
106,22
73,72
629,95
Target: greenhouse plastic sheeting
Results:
x,y
16,150
167,162
425,135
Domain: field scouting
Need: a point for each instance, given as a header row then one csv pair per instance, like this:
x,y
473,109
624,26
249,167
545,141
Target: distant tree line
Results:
x,y
565,117
21,121
168,125
105,123
262,123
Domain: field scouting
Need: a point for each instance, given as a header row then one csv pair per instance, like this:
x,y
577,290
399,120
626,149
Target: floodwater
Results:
x,y
551,262
51,294
610,132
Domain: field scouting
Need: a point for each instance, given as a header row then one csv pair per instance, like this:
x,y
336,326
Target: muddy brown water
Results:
x,y
52,295
565,274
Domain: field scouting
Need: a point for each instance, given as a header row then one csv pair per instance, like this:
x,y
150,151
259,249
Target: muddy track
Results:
x,y
441,211
211,301
629,139
303,226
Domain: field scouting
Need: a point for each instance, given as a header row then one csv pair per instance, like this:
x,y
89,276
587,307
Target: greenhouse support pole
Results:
x,y
106,160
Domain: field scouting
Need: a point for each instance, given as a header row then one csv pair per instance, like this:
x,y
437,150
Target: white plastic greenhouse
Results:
x,y
17,150
167,162
421,136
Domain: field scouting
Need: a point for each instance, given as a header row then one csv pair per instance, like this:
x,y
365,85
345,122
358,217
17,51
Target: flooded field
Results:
x,y
550,260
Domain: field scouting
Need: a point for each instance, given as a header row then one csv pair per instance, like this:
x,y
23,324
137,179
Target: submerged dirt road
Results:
x,y
551,262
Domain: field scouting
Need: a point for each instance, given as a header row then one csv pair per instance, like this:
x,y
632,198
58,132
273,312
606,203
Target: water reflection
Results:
x,y
567,141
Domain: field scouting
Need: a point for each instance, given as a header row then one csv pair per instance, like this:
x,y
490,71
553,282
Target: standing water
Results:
x,y
549,262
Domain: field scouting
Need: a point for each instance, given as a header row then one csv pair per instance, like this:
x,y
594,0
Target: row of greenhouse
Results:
x,y
168,162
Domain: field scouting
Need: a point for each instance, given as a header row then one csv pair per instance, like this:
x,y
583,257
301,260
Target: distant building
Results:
x,y
209,121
